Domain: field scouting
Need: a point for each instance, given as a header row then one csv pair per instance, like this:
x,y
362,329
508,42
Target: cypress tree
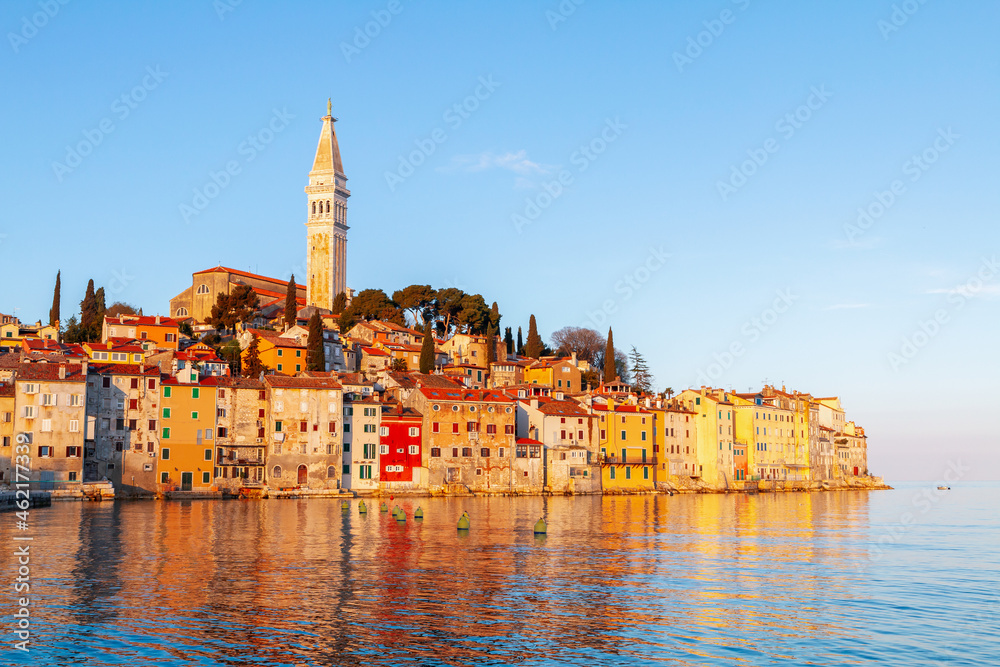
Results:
x,y
427,350
520,343
56,297
533,348
609,358
508,339
88,311
491,346
339,303
291,306
315,355
252,367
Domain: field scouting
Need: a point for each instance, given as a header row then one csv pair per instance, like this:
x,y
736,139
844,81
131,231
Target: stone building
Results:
x,y
240,446
50,412
676,443
362,415
122,438
469,442
570,461
326,220
196,301
304,432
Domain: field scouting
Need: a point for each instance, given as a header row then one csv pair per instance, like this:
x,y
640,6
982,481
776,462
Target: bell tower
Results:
x,y
326,220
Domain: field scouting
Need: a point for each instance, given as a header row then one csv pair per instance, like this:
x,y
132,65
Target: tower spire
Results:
x,y
329,106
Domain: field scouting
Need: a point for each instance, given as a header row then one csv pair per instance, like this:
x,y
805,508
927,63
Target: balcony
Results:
x,y
628,461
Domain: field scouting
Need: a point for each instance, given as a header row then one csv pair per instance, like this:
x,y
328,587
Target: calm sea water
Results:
x,y
888,577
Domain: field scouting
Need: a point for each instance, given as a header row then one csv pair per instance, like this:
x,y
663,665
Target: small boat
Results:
x,y
944,488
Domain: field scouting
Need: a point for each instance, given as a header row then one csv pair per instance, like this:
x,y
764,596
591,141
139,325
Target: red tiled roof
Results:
x,y
122,369
528,441
550,406
141,320
247,274
239,382
287,382
465,395
276,340
49,372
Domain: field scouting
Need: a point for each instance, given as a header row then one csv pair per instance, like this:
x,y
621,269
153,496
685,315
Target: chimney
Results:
x,y
574,359
157,319
611,404
62,371
534,404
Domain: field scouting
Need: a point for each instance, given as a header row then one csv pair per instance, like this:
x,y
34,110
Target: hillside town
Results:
x,y
254,386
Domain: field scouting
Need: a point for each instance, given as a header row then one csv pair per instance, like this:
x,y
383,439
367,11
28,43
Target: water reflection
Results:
x,y
684,580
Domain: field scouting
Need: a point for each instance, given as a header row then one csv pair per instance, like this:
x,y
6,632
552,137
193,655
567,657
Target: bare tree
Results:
x,y
587,343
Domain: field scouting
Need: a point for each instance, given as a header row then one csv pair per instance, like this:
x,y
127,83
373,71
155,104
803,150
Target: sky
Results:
x,y
802,194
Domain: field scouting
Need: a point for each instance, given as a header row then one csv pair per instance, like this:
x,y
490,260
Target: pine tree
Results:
x,y
520,343
252,367
533,348
427,350
609,358
315,354
642,379
56,296
291,305
508,339
88,312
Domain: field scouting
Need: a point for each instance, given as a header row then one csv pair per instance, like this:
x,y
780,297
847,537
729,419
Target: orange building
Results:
x,y
188,405
163,331
283,354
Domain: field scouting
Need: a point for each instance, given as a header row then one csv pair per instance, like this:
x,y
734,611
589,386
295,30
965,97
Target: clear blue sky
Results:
x,y
882,88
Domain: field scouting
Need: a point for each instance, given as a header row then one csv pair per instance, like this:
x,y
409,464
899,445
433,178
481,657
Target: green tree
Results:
x,y
448,302
56,297
231,352
508,340
474,315
73,332
533,348
238,306
642,379
609,358
88,312
427,350
398,365
520,343
315,354
495,317
491,346
291,303
339,303
119,308
370,304
252,366
417,301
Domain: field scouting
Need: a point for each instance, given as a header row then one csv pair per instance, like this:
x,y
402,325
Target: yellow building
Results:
x,y
13,332
284,354
6,431
772,425
115,352
715,434
187,433
561,374
626,435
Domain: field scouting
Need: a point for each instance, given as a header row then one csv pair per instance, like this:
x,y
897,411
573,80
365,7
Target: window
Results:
x,y
277,427
508,429
643,436
303,427
29,412
165,453
369,428
369,451
466,451
133,424
276,471
166,432
521,451
195,392
435,452
623,435
331,472
628,473
491,429
46,425
166,392
454,452
206,478
645,472
454,427
365,472
208,454
194,414
612,472
202,289
383,431
414,449
163,475
73,452
485,452
74,425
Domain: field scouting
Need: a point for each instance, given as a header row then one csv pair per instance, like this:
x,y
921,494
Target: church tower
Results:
x,y
326,225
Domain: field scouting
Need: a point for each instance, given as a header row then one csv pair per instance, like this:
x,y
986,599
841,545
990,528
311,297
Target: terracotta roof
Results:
x,y
141,320
458,394
374,352
50,372
123,369
301,382
276,340
247,274
552,407
6,390
393,410
239,382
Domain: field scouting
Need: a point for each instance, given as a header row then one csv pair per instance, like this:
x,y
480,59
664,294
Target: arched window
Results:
x,y
182,312
314,208
203,289
331,472
276,471
327,205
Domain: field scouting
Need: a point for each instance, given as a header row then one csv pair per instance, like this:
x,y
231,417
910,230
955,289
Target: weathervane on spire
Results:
x,y
329,106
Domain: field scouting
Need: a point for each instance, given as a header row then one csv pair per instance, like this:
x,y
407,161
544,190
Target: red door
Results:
x,y
303,475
